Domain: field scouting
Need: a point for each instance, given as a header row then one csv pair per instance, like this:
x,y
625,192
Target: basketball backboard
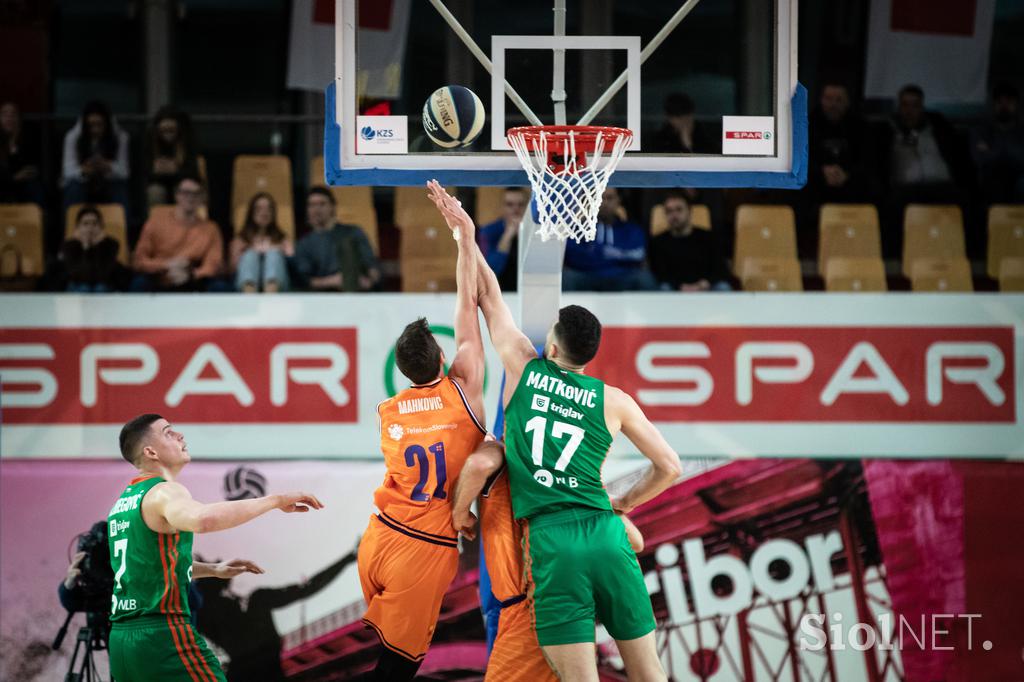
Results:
x,y
626,63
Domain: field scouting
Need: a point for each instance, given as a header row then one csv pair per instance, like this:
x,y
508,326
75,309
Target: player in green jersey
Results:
x,y
559,425
150,530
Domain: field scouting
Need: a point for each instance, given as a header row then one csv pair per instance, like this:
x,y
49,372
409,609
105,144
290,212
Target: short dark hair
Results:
x,y
678,104
417,354
676,194
88,209
912,89
322,191
188,177
579,334
133,433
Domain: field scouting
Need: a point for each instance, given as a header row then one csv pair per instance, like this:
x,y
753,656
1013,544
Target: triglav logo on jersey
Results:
x,y
540,403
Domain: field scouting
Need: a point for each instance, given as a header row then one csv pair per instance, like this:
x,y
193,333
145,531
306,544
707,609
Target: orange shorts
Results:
x,y
404,580
516,656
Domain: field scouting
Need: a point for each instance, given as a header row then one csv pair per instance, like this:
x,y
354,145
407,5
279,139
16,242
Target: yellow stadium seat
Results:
x,y
270,174
855,274
428,274
1005,235
932,231
700,213
114,224
414,209
764,232
771,274
355,204
941,274
21,240
1011,274
847,231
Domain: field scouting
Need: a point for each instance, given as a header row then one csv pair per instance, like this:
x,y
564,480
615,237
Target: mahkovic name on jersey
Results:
x,y
587,397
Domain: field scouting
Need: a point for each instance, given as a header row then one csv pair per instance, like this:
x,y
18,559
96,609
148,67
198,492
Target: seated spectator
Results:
x,y
499,241
19,159
178,250
998,148
685,258
260,251
615,260
837,149
95,165
926,161
681,134
169,155
89,257
333,257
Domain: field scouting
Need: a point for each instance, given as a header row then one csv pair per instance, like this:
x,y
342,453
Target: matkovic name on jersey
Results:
x,y
814,374
203,375
586,397
125,504
420,405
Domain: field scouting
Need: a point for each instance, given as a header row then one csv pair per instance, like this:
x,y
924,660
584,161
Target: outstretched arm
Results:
x,y
224,569
665,467
169,507
479,467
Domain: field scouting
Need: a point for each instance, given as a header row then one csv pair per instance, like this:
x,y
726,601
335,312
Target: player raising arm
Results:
x,y
559,426
150,530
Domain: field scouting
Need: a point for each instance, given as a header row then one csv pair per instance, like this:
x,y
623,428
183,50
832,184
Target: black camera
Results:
x,y
96,581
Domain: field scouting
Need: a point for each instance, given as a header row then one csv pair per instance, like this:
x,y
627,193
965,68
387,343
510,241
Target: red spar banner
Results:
x,y
813,374
105,376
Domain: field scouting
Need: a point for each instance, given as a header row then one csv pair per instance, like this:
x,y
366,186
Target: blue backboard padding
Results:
x,y
793,179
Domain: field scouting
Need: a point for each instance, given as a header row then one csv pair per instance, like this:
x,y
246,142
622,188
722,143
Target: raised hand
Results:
x,y
451,210
298,502
229,569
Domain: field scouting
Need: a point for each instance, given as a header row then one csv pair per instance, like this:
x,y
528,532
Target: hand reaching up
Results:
x,y
451,210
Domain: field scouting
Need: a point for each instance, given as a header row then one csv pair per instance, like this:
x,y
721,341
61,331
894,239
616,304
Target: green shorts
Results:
x,y
155,649
583,568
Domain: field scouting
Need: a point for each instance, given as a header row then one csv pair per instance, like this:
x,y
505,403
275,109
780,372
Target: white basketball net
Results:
x,y
568,199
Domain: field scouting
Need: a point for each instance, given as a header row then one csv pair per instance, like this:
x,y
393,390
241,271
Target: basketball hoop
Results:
x,y
569,168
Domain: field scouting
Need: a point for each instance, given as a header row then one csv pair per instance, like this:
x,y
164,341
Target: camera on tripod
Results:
x,y
90,592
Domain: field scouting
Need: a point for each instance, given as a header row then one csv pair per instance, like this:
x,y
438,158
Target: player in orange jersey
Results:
x,y
409,553
516,656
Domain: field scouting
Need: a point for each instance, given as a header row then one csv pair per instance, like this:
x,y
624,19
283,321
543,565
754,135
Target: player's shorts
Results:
x,y
516,656
161,648
582,567
404,579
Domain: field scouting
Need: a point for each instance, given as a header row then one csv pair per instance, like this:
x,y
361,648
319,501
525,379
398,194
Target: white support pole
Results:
x,y
468,41
558,72
648,50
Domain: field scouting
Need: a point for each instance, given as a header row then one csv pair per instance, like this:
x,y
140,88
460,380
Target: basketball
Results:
x,y
453,116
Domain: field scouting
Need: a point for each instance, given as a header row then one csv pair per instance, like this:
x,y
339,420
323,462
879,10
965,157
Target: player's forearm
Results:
x,y
202,569
472,480
656,480
217,516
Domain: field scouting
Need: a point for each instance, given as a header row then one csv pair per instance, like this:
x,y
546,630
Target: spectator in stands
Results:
x,y
499,241
334,257
178,250
95,166
837,149
926,160
681,133
19,159
685,258
615,260
169,155
260,251
89,257
998,148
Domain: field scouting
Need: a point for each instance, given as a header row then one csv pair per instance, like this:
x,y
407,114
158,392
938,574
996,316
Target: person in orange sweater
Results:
x,y
179,250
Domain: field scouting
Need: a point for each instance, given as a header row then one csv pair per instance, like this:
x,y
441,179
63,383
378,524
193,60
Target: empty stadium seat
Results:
x,y
771,274
764,232
847,231
1011,274
428,274
21,240
413,208
932,231
941,274
270,174
855,274
355,204
659,223
1005,235
114,224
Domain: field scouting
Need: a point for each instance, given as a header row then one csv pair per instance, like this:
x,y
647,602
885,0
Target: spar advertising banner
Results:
x,y
888,375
